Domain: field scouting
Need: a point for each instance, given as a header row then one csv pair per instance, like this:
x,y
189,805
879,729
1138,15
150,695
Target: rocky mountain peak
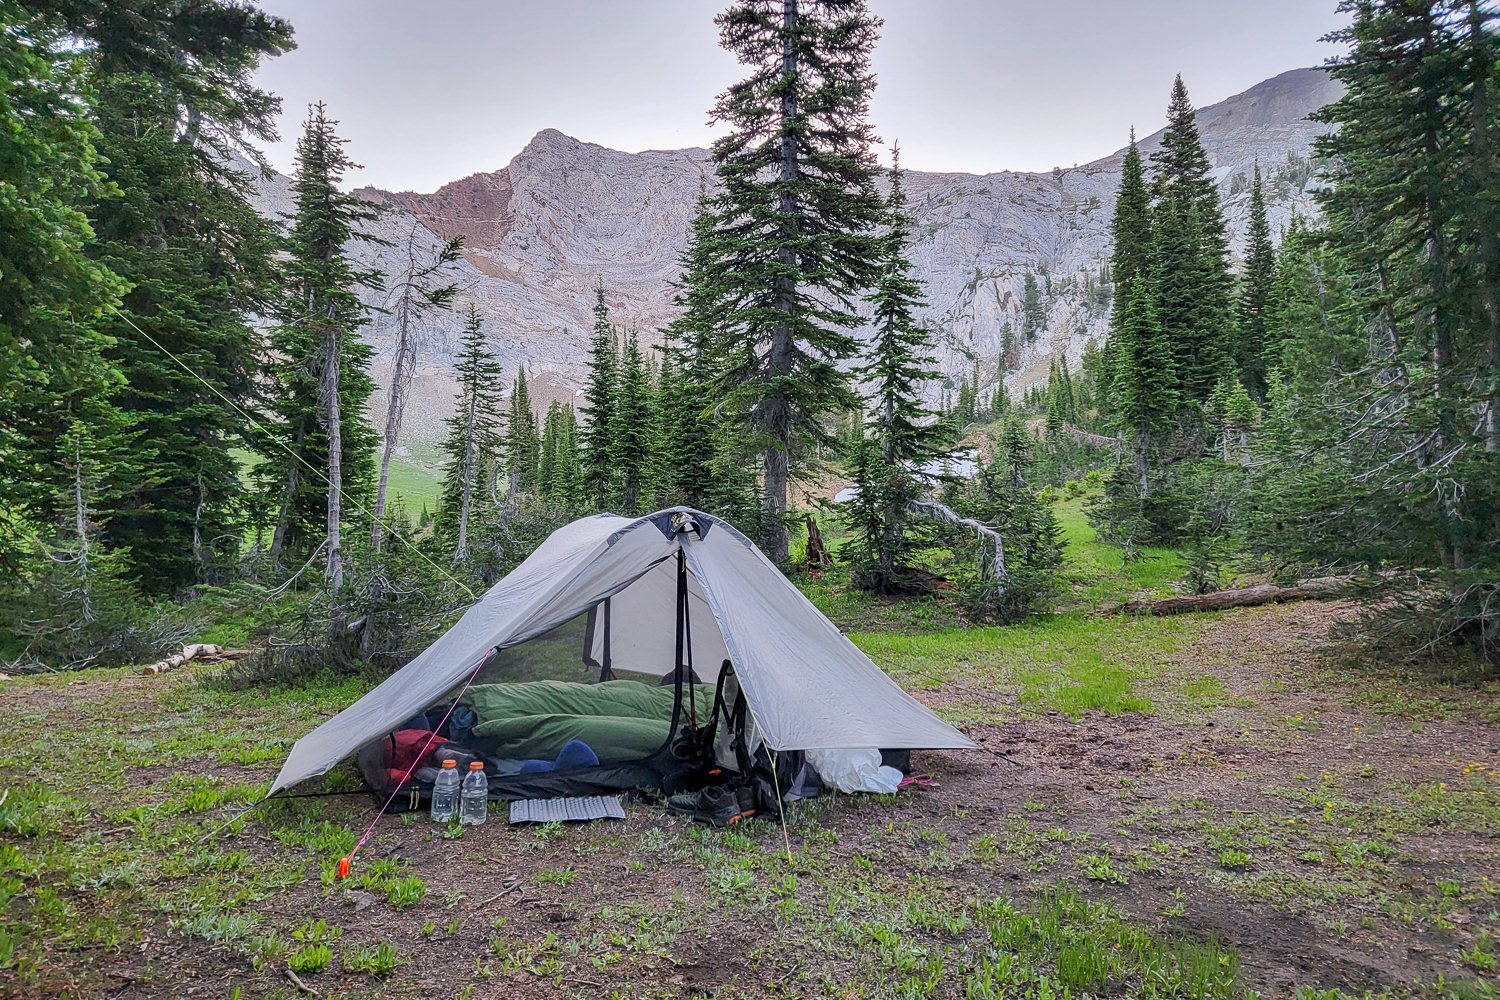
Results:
x,y
565,215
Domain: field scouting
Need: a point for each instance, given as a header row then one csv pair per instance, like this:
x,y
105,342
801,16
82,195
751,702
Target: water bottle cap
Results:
x,y
475,765
450,763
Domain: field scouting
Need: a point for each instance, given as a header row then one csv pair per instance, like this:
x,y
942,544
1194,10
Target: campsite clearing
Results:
x,y
1201,802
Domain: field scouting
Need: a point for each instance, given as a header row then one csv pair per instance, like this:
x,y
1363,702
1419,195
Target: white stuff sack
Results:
x,y
854,770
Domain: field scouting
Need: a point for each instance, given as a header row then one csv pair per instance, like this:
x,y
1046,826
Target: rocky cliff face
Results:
x,y
565,215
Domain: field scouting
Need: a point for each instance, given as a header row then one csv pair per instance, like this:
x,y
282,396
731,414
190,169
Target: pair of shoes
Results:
x,y
717,805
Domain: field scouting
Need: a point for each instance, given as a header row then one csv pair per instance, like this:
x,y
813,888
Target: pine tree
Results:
x,y
1192,284
74,603
1145,392
599,393
1308,335
323,374
903,433
688,371
795,234
963,403
523,443
1010,355
200,261
1068,396
52,361
1255,294
1057,407
636,430
1001,496
473,432
569,473
1375,449
1033,312
558,473
546,470
1131,256
173,97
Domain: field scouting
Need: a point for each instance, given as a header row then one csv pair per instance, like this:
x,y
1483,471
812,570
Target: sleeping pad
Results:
x,y
619,720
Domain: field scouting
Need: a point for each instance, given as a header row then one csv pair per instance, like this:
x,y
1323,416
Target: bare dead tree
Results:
x,y
414,295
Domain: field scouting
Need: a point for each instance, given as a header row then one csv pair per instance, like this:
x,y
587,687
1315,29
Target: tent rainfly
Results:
x,y
629,583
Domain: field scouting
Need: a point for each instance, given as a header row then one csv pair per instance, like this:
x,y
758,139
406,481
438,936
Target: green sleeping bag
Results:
x,y
619,720
540,737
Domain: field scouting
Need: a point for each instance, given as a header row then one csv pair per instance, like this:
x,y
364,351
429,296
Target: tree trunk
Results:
x,y
198,529
1143,459
1483,169
284,516
330,387
1243,597
818,556
775,477
81,526
401,376
467,472
402,370
777,460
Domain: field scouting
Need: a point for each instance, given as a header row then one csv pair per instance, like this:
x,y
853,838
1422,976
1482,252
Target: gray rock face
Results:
x,y
565,215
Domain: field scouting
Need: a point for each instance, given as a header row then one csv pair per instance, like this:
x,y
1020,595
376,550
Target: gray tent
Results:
x,y
805,685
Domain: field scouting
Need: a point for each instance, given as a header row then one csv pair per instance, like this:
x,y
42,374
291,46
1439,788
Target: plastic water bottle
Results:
x,y
475,802
445,793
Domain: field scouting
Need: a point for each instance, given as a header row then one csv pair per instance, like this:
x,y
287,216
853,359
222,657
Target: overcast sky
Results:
x,y
429,91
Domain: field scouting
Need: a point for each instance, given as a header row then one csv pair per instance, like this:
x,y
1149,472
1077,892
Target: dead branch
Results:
x,y
297,982
1081,436
512,884
942,512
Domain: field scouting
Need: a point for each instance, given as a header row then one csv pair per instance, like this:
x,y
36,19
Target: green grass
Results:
x,y
1096,572
415,486
1068,664
412,481
1065,945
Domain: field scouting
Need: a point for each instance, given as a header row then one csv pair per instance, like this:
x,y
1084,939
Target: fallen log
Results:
x,y
196,651
1240,597
1082,436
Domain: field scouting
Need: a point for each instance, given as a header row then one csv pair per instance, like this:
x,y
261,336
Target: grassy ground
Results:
x,y
412,482
1197,807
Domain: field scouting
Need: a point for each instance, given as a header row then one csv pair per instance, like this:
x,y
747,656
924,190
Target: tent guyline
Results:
x,y
349,498
348,860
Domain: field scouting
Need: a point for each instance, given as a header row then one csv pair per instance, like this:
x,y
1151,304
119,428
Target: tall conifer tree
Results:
x,y
323,372
523,443
1033,312
636,430
417,291
687,372
52,362
1193,286
473,439
175,98
795,225
903,433
1146,398
557,476
599,393
1255,295
1412,476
